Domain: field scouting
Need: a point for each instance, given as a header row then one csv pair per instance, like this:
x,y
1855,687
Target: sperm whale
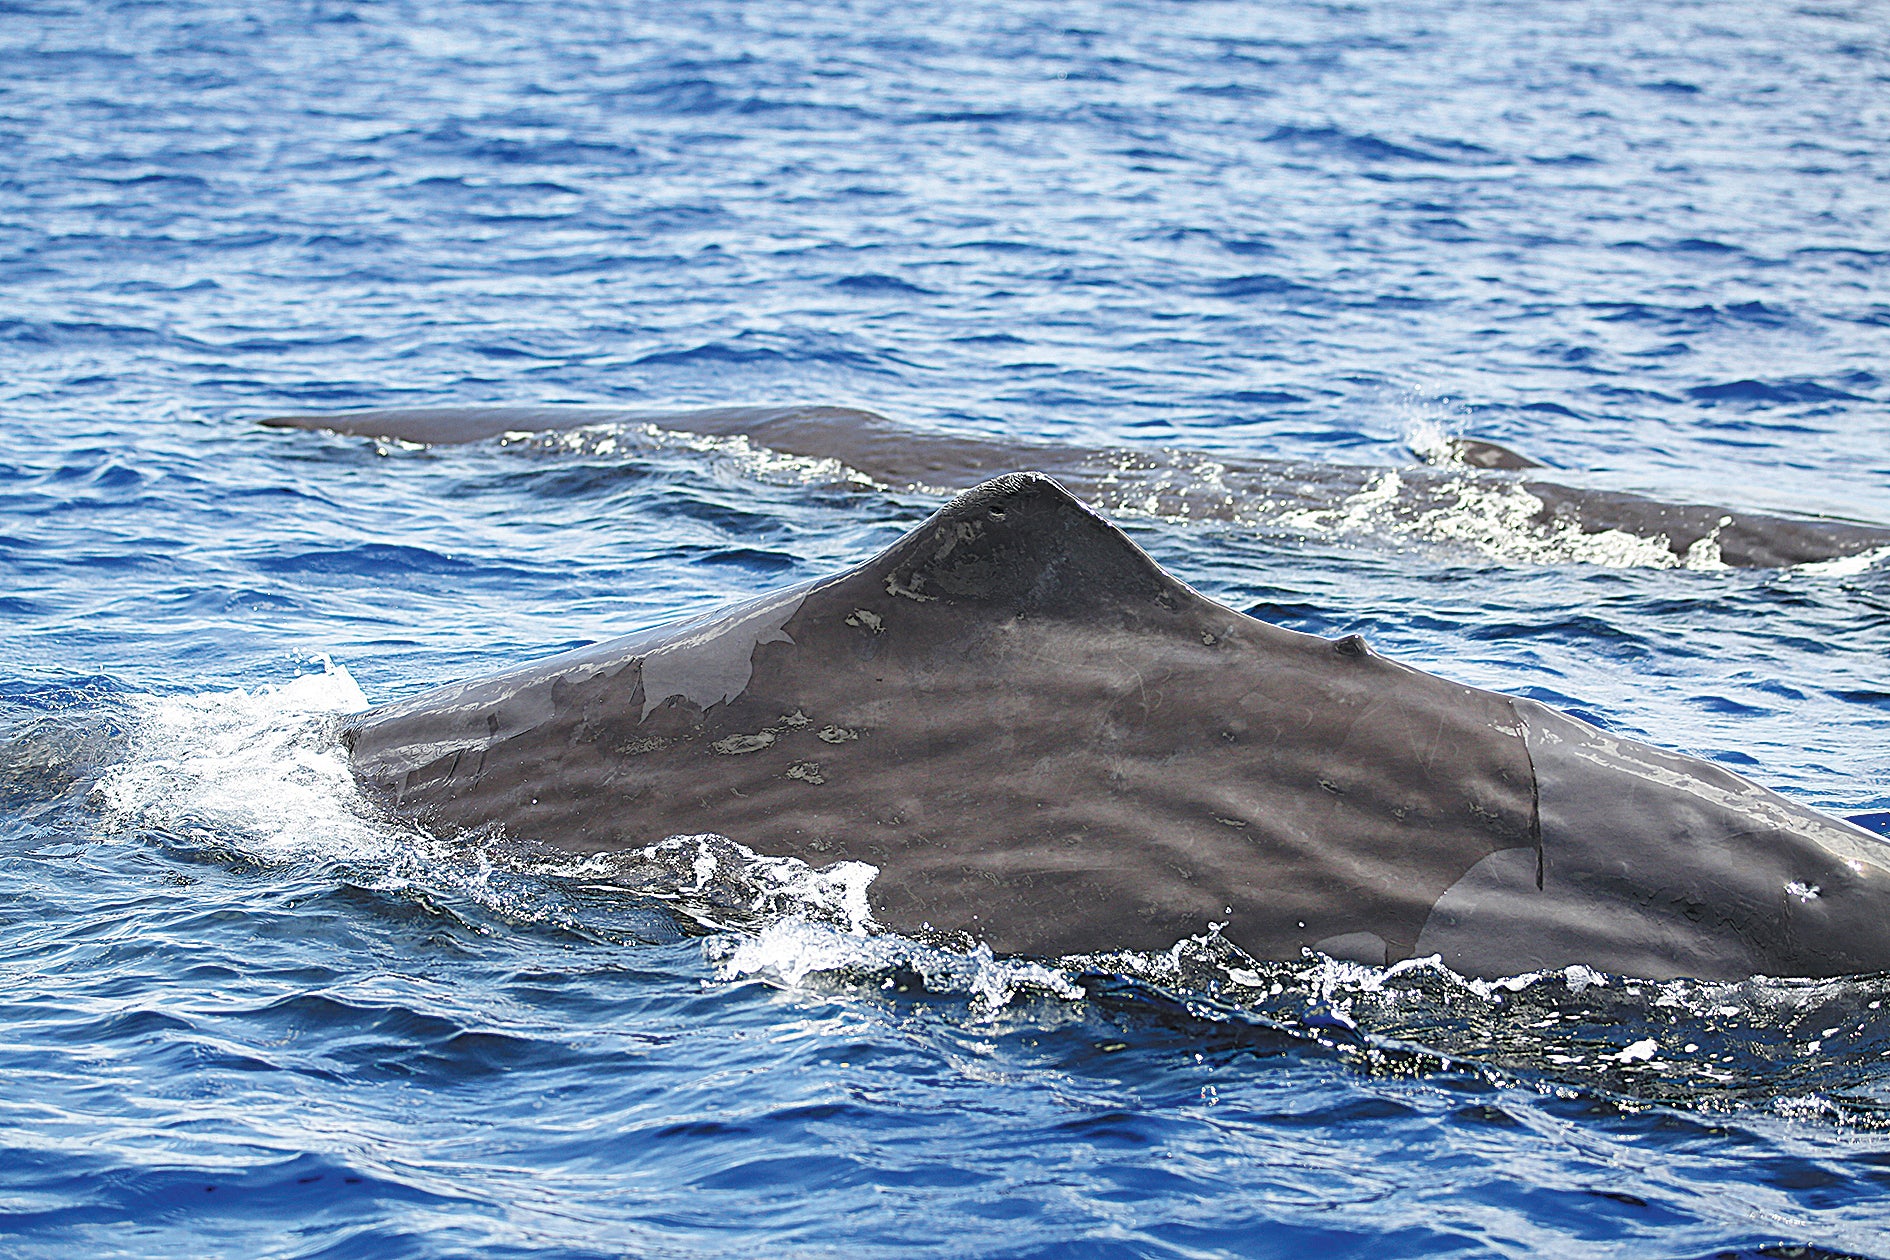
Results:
x,y
1043,741
1486,496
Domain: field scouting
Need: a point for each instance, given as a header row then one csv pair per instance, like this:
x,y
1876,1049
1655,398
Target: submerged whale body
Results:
x,y
1044,741
1485,496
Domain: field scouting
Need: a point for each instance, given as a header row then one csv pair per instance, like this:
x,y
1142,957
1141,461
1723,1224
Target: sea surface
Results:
x,y
243,1015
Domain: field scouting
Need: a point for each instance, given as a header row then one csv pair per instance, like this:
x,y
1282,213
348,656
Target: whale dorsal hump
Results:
x,y
1022,544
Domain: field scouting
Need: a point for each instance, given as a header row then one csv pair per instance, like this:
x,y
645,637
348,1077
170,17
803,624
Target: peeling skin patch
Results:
x,y
735,745
895,587
806,772
713,661
636,747
867,620
836,734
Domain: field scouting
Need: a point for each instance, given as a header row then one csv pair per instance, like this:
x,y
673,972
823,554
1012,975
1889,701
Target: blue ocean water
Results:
x,y
1649,245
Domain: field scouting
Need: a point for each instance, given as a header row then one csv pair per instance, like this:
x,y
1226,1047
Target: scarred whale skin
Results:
x,y
1044,741
1169,483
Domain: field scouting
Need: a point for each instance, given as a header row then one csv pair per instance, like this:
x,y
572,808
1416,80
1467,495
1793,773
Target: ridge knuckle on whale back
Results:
x,y
899,455
1042,739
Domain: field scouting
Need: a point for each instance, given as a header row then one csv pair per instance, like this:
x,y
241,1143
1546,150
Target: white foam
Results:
x,y
1430,440
749,460
1430,422
818,920
258,768
835,894
1845,566
1498,518
1645,1050
788,951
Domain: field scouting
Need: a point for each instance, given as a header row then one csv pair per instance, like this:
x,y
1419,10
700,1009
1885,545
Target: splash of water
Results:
x,y
741,456
722,883
262,765
790,951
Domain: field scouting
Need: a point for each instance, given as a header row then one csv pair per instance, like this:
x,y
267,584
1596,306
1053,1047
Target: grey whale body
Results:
x,y
1046,742
1171,483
